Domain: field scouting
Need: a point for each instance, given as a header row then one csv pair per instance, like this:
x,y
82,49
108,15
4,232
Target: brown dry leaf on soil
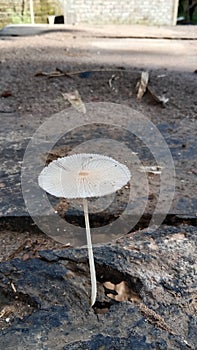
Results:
x,y
6,93
75,100
121,292
142,85
159,99
152,169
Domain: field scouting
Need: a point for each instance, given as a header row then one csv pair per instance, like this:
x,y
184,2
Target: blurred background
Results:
x,y
58,11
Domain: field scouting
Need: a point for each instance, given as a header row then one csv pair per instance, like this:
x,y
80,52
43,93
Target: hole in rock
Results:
x,y
119,286
102,307
120,292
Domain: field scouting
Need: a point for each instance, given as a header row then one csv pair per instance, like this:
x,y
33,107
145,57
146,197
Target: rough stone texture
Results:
x,y
151,274
34,99
177,133
156,309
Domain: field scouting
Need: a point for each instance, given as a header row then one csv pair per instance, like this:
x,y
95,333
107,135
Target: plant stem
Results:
x,y
90,253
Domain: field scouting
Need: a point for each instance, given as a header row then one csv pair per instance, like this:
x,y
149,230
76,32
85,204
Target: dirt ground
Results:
x,y
33,97
112,75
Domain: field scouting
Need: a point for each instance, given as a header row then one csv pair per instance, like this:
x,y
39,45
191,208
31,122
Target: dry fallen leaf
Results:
x,y
75,100
153,169
120,292
142,85
13,287
111,80
159,99
6,93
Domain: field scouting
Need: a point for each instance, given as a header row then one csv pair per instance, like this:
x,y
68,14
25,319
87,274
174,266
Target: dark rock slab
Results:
x,y
15,134
180,139
108,342
156,309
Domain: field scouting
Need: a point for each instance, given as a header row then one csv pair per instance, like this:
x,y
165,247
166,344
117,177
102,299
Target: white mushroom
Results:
x,y
84,176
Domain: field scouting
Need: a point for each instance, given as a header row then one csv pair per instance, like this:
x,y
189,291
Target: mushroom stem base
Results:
x,y
90,253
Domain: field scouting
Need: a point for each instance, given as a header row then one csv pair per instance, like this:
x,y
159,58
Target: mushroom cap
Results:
x,y
83,175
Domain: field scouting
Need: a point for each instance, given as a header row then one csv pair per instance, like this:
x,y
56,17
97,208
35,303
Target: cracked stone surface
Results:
x,y
146,280
154,309
31,100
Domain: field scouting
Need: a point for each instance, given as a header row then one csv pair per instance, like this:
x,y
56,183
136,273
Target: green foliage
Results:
x,y
11,11
183,10
18,19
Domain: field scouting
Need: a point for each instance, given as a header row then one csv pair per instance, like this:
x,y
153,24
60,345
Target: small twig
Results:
x,y
3,111
18,250
13,287
55,74
154,318
61,73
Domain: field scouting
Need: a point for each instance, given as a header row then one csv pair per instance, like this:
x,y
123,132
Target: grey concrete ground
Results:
x,y
123,31
175,47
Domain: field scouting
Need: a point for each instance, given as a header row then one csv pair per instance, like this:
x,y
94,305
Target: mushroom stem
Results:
x,y
90,253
